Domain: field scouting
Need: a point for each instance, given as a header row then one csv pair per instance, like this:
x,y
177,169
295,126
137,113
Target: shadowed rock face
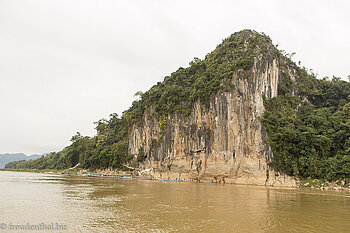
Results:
x,y
225,143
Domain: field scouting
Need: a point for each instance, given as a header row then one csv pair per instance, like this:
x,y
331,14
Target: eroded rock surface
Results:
x,y
226,143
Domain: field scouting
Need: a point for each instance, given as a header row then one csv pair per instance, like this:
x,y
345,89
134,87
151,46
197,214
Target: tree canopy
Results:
x,y
308,123
310,134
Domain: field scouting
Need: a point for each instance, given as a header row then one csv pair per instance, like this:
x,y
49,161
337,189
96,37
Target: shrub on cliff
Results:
x,y
310,134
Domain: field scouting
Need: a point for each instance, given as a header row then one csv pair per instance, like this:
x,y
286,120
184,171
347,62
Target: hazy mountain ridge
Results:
x,y
8,157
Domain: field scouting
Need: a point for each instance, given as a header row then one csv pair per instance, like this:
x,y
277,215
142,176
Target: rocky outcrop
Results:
x,y
225,143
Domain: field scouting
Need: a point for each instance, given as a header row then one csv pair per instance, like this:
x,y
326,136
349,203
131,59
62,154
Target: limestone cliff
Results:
x,y
224,142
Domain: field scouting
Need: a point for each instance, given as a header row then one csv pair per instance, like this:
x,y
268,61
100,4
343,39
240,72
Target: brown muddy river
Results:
x,y
84,204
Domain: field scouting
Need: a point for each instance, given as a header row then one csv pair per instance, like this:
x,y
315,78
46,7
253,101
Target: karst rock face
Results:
x,y
223,143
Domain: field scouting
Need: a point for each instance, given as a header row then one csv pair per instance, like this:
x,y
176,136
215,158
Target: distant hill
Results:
x,y
6,158
245,114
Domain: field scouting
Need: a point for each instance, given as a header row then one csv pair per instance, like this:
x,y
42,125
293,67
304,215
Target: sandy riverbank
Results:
x,y
340,185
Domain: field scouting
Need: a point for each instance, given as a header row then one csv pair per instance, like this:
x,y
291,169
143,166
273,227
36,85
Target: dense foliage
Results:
x,y
203,78
308,124
310,133
108,149
177,93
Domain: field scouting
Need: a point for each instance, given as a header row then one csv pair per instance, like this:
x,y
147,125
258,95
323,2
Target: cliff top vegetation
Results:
x,y
308,123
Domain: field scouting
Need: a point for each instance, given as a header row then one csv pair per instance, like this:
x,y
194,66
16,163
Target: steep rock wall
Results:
x,y
225,143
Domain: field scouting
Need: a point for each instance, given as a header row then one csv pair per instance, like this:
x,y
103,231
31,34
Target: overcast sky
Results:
x,y
65,64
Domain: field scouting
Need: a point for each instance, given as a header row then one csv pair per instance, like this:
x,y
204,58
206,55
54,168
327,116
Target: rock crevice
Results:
x,y
224,142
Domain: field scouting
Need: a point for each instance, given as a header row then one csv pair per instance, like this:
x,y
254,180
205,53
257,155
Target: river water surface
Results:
x,y
87,204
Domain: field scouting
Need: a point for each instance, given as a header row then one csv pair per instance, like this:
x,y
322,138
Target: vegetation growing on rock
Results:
x,y
310,133
308,123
